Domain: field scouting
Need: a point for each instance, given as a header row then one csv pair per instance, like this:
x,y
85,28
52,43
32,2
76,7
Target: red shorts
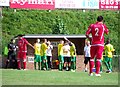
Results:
x,y
96,52
21,55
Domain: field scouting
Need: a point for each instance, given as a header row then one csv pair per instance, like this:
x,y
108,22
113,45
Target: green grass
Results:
x,y
32,77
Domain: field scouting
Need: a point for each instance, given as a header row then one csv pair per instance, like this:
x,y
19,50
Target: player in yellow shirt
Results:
x,y
60,55
73,56
37,56
44,48
108,55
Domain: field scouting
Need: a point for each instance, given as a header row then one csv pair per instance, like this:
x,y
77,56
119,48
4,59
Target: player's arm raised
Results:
x,y
67,39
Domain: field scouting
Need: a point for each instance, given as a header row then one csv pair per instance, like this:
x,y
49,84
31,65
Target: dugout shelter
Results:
x,y
78,40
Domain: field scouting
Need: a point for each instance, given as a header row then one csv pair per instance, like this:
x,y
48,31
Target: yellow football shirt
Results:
x,y
108,50
43,49
72,50
37,47
60,49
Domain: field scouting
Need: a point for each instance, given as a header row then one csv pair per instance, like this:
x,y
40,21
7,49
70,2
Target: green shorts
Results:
x,y
44,57
73,59
61,58
37,58
107,59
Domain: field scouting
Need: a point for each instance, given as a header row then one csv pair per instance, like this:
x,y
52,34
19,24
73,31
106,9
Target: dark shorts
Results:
x,y
87,59
49,58
67,59
11,56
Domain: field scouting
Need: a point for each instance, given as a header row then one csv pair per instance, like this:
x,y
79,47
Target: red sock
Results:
x,y
91,65
24,65
18,62
97,66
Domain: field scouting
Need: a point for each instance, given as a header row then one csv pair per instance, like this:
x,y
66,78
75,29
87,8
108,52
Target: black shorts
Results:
x,y
67,59
11,56
87,59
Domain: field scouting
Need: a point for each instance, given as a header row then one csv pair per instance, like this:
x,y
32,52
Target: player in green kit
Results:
x,y
37,57
44,48
60,55
108,55
72,54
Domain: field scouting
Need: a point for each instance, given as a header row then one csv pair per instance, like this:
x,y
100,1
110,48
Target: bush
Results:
x,y
45,22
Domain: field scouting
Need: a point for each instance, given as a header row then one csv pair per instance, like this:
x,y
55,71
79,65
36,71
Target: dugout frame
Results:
x,y
78,40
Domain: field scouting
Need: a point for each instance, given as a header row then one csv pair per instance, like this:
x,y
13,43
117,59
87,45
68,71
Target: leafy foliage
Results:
x,y
25,21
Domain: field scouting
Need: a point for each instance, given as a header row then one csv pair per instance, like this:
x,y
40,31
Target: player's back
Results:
x,y
72,50
97,31
108,50
37,47
60,49
43,49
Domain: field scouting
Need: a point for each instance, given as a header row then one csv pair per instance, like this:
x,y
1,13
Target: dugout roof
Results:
x,y
53,36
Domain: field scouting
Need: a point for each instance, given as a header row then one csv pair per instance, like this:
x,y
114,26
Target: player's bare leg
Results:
x,y
85,67
69,66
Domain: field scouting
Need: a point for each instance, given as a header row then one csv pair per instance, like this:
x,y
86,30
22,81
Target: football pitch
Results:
x,y
35,77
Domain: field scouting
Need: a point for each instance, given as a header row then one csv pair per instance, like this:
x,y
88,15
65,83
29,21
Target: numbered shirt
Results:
x,y
22,45
97,30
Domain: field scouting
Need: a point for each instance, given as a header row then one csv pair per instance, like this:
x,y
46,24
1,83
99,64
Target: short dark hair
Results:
x,y
20,35
99,18
108,41
44,39
11,40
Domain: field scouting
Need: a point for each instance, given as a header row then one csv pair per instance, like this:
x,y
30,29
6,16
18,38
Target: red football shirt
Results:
x,y
97,30
22,45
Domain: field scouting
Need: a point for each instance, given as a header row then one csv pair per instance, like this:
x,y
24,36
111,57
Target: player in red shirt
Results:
x,y
22,50
97,30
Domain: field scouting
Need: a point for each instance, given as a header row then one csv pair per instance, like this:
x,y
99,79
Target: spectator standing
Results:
x,y
49,54
87,54
12,54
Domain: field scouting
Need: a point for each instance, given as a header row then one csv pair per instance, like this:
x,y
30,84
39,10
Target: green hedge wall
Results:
x,y
25,21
